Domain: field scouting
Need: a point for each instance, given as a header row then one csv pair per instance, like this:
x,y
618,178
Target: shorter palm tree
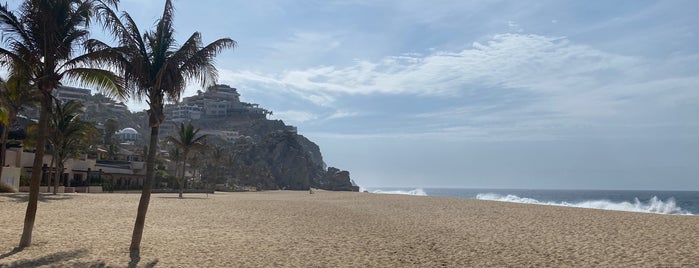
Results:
x,y
175,155
187,140
217,156
68,134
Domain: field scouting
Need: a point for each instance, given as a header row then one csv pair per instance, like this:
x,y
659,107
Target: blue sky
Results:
x,y
503,94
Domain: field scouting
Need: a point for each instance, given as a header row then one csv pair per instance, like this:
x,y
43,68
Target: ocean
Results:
x,y
661,202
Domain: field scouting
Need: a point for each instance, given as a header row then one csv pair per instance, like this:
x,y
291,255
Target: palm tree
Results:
x,y
68,134
218,156
111,126
158,71
40,41
175,156
14,94
187,141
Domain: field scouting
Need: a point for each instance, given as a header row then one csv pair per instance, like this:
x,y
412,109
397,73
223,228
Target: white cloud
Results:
x,y
529,62
292,116
342,114
558,84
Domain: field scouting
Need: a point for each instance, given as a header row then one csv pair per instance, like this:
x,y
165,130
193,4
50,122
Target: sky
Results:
x,y
470,94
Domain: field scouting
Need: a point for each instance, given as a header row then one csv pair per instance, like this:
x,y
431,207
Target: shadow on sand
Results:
x,y
12,252
136,257
184,197
56,259
50,259
24,197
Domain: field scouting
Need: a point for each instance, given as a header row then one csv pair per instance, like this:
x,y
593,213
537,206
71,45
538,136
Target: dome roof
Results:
x,y
128,130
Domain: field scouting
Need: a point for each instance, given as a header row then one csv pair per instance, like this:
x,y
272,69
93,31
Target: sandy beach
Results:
x,y
332,229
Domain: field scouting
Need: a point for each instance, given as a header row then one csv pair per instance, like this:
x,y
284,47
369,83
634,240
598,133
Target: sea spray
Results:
x,y
419,192
654,205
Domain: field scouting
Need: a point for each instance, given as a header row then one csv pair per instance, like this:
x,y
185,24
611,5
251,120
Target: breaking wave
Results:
x,y
654,205
419,192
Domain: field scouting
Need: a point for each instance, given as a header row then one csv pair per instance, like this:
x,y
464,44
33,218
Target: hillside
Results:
x,y
257,152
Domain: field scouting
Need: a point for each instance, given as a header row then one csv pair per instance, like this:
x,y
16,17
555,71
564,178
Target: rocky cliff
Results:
x,y
268,154
285,160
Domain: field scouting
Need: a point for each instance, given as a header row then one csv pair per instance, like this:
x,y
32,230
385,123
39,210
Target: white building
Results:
x,y
186,112
127,135
66,94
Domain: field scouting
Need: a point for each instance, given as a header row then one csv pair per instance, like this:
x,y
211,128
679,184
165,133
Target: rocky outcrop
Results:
x,y
335,180
285,160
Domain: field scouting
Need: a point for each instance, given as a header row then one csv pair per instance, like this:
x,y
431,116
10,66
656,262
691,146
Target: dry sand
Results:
x,y
329,229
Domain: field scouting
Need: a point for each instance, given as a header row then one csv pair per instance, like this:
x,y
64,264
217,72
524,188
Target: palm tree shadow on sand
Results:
x,y
136,257
50,259
60,257
23,197
186,197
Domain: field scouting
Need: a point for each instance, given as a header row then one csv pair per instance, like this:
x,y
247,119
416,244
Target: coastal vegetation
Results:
x,y
187,140
42,41
69,135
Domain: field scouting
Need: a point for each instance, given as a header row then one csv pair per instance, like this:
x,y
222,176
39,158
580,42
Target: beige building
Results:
x,y
81,171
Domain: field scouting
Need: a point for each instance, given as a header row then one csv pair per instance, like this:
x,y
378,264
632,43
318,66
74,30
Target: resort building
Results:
x,y
230,136
185,112
127,135
65,94
84,172
216,101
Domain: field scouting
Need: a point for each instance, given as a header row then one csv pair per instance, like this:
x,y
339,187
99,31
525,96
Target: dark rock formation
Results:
x,y
285,160
335,180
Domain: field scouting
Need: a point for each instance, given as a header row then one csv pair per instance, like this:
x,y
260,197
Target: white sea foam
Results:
x,y
654,205
410,192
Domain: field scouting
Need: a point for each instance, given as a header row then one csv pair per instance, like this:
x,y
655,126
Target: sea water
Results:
x,y
661,202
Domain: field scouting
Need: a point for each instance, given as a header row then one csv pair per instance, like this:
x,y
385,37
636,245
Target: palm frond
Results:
x,y
200,66
106,81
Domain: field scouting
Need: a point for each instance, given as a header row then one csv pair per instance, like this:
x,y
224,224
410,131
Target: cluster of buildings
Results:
x,y
217,101
123,165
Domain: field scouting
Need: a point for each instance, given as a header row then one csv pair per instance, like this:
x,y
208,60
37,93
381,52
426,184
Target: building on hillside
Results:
x,y
65,94
185,112
216,101
214,93
227,135
118,107
127,135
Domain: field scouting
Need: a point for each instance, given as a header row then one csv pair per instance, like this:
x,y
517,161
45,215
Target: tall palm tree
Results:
x,y
158,71
68,134
41,41
188,141
14,94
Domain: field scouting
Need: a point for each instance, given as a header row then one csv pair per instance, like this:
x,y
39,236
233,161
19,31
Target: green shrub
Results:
x,y
4,188
24,180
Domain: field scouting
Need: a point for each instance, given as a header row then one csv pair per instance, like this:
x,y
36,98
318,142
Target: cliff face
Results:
x,y
285,160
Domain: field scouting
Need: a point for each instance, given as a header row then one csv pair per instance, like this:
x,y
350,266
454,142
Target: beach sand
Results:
x,y
333,229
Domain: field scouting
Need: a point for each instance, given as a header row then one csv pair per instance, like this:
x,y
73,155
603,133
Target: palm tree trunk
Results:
x,y
59,176
182,181
145,194
30,215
